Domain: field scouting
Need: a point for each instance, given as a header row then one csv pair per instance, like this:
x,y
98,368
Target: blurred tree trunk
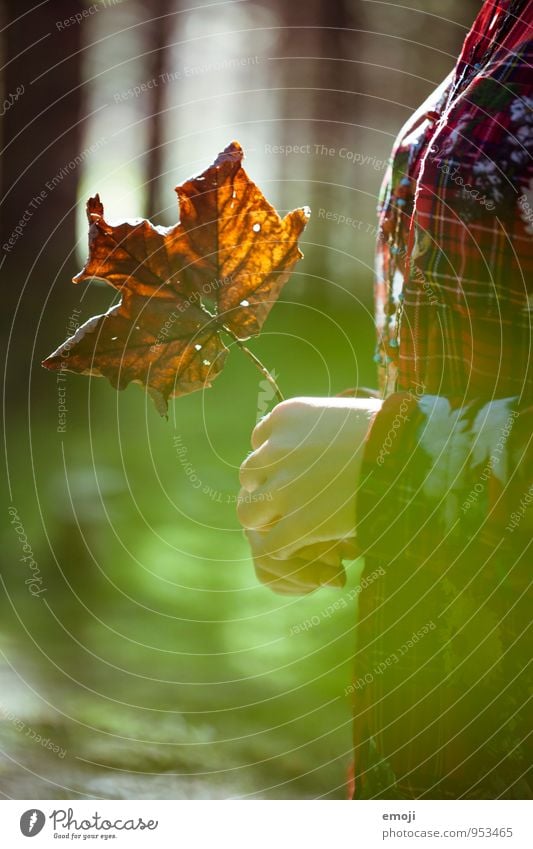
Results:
x,y
334,43
160,35
41,138
333,77
312,92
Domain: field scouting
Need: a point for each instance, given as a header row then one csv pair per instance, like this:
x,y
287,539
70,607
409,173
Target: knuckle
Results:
x,y
289,405
243,513
284,410
244,473
276,415
260,425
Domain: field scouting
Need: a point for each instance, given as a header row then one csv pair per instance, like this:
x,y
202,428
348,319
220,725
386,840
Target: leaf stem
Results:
x,y
257,362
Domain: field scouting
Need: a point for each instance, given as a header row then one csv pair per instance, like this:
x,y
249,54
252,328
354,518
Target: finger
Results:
x,y
312,572
349,549
301,576
261,431
296,572
256,509
256,468
280,585
284,540
329,552
318,572
333,576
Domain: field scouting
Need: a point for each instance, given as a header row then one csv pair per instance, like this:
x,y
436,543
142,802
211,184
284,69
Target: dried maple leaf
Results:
x,y
219,269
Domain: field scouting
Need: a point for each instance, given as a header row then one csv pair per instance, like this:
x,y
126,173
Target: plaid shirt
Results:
x,y
445,503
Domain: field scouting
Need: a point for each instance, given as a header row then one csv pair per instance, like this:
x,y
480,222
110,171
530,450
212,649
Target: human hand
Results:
x,y
313,566
303,474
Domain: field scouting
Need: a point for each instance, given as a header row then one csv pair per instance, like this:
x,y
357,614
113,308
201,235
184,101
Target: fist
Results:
x,y
298,490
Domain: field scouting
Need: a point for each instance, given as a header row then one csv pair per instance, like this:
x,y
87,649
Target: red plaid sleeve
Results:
x,y
457,223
